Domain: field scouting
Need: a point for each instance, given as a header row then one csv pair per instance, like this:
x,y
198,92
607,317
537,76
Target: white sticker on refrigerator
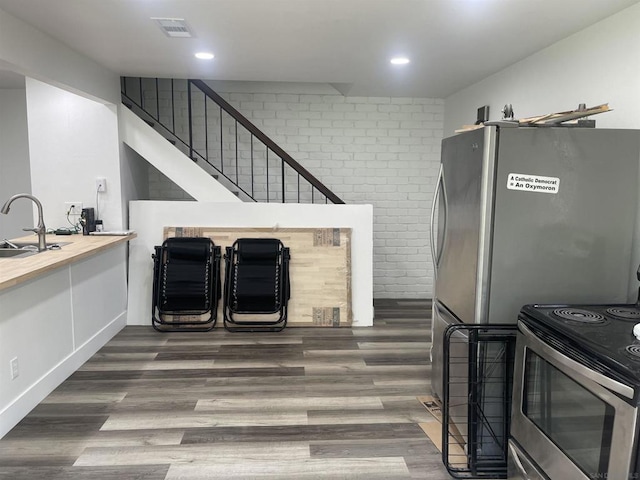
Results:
x,y
533,183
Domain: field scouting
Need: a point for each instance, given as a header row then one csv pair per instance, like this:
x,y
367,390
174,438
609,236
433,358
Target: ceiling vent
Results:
x,y
174,27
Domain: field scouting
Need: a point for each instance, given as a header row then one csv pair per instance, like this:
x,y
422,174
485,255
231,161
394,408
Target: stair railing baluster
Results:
x,y
206,130
252,165
157,101
221,145
237,177
190,121
282,168
173,110
267,174
298,188
141,95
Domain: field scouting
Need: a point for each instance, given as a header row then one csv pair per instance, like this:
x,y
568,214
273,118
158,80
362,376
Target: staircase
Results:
x,y
225,144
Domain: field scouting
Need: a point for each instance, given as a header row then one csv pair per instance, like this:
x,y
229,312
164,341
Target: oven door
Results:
x,y
566,416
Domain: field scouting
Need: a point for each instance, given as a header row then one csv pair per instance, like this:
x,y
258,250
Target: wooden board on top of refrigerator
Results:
x,y
320,269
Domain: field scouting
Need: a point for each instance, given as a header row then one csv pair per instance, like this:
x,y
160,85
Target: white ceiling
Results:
x,y
347,43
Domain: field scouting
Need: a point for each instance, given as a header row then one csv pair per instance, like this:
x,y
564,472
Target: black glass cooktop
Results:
x,y
600,333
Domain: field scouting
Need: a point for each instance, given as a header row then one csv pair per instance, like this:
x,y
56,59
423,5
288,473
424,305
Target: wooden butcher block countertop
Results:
x,y
14,271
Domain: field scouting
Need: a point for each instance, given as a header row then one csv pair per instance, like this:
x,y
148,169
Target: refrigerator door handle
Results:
x,y
436,255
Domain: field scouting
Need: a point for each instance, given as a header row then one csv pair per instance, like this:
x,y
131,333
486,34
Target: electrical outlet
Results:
x,y
73,208
14,368
101,184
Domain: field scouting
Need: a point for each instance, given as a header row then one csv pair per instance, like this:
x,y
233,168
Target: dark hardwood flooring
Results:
x,y
305,403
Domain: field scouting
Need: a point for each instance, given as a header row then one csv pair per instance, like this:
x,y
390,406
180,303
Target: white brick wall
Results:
x,y
378,150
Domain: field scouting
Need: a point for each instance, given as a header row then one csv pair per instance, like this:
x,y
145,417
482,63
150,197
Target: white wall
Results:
x,y
15,176
148,218
28,51
73,140
597,65
374,150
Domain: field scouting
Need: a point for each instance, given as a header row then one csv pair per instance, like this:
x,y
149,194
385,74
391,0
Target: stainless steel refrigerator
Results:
x,y
531,215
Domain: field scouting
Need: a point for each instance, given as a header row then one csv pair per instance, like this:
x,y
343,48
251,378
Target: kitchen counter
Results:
x,y
14,271
57,309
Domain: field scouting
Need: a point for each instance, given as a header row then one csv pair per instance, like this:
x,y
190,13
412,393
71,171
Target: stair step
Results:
x,y
128,105
171,141
151,124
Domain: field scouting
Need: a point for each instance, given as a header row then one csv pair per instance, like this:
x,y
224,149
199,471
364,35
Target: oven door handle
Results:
x,y
587,372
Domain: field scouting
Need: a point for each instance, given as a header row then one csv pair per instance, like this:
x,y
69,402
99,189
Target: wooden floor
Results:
x,y
306,403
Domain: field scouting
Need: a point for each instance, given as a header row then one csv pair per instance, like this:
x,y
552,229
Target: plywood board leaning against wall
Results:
x,y
320,269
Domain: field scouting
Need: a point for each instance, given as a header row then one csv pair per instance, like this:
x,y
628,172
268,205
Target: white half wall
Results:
x,y
148,218
599,64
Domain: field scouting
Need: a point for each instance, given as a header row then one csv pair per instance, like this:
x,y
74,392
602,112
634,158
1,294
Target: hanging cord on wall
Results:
x,y
97,203
100,187
76,226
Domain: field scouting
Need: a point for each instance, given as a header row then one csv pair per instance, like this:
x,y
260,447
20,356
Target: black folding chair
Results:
x,y
186,285
256,286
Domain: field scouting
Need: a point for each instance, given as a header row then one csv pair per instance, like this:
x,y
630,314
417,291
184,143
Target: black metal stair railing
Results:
x,y
204,126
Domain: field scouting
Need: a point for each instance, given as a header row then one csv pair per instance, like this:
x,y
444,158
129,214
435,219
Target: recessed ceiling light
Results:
x,y
400,60
204,55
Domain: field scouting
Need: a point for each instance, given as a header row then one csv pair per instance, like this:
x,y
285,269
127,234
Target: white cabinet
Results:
x,y
53,324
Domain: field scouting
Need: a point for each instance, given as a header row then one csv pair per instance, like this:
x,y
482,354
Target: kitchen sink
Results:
x,y
25,249
13,253
32,245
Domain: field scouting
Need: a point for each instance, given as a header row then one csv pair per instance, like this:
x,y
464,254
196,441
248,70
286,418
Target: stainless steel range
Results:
x,y
576,393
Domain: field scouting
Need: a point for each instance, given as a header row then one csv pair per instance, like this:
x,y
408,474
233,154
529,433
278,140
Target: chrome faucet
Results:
x,y
40,229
